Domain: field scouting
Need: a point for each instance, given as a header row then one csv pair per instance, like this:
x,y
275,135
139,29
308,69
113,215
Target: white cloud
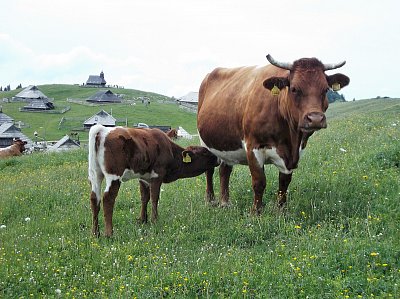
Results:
x,y
169,46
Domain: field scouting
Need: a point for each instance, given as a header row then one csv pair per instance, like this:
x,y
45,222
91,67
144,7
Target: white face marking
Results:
x,y
270,156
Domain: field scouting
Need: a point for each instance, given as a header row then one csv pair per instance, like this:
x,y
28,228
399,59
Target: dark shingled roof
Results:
x,y
36,105
31,92
8,132
96,80
104,96
4,118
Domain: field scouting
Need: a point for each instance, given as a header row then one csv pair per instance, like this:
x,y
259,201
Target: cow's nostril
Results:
x,y
316,119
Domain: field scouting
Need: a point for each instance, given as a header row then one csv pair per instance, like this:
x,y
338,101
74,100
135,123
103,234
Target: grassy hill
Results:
x,y
161,111
338,238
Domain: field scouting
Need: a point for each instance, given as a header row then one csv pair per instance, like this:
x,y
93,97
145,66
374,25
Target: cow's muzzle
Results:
x,y
313,121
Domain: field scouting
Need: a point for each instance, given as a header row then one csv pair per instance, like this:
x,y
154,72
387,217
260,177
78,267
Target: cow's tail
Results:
x,y
94,170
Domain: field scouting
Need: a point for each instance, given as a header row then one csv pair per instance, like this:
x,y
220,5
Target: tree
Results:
x,y
334,96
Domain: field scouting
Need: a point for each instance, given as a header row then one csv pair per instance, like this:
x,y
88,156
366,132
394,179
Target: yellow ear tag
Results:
x,y
275,90
336,86
186,158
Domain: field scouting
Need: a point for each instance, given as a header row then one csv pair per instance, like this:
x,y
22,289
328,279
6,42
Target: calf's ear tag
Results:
x,y
336,86
186,158
275,90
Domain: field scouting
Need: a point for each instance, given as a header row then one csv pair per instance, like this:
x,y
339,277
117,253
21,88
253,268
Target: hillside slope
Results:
x,y
53,126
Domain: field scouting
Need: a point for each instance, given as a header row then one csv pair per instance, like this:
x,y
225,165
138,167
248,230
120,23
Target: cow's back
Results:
x,y
225,97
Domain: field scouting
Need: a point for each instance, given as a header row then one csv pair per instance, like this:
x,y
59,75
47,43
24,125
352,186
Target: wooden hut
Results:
x,y
191,98
104,96
8,131
102,118
96,81
38,105
29,94
64,144
4,118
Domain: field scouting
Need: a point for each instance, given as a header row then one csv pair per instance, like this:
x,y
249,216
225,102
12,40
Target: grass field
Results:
x,y
161,111
338,238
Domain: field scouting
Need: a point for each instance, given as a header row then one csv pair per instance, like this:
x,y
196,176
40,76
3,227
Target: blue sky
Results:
x,y
169,46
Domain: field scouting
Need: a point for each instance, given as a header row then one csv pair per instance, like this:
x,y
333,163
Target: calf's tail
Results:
x,y
94,169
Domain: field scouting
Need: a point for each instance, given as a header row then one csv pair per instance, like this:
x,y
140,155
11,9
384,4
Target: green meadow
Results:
x,y
339,236
161,111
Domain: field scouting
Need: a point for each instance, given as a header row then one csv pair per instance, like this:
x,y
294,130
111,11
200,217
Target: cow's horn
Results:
x,y
282,65
333,66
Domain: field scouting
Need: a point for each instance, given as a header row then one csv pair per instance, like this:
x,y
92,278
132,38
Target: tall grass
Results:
x,y
338,237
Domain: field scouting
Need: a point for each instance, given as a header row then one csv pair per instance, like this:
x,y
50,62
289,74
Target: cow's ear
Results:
x,y
337,81
279,82
187,156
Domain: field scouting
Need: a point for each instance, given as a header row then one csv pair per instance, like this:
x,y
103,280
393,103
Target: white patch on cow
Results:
x,y
229,157
97,170
301,150
270,156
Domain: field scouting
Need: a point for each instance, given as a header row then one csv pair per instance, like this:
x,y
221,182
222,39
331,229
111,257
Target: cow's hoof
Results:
x,y
225,204
141,221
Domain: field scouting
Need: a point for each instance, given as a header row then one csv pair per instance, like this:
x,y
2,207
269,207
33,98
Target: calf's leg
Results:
x,y
224,176
95,196
95,206
210,197
145,197
155,195
108,205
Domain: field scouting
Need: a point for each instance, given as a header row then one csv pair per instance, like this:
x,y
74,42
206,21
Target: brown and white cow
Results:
x,y
15,149
120,154
263,115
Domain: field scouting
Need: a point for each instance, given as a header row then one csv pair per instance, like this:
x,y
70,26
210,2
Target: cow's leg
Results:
x,y
258,182
95,197
224,176
155,187
108,204
284,181
145,197
210,197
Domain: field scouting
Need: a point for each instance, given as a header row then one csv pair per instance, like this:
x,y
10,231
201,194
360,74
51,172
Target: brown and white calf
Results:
x,y
15,149
120,154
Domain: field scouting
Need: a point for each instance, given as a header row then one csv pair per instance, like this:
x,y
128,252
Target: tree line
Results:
x,y
8,88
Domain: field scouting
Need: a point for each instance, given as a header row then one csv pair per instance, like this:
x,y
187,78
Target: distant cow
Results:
x,y
120,154
15,149
263,115
173,134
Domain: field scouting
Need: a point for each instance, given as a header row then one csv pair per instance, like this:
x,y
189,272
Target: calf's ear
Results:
x,y
186,156
337,81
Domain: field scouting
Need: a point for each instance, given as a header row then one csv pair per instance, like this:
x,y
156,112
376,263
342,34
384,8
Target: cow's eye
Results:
x,y
296,91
